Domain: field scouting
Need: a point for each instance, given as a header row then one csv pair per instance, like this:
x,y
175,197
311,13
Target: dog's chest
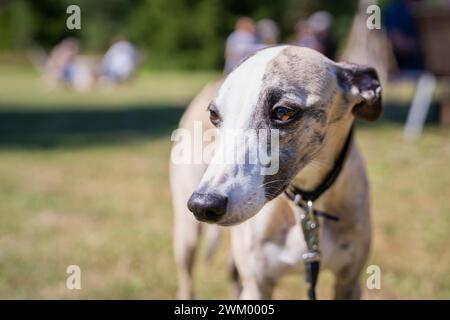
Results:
x,y
336,250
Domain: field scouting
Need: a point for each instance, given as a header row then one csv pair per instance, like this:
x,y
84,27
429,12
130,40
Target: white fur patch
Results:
x,y
239,93
236,102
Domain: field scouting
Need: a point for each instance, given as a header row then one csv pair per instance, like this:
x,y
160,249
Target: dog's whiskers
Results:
x,y
267,183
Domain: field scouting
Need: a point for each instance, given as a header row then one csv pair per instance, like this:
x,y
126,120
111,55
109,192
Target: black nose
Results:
x,y
208,207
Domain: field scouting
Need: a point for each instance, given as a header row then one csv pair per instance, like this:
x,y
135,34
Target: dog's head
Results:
x,y
297,94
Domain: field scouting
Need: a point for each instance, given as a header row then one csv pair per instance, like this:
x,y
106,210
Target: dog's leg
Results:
x,y
347,285
249,259
187,229
257,289
236,284
186,237
187,232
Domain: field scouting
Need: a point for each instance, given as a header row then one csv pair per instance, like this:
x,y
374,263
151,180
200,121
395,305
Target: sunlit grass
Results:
x,y
106,207
22,88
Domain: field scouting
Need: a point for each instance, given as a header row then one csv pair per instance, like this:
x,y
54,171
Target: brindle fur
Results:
x,y
270,244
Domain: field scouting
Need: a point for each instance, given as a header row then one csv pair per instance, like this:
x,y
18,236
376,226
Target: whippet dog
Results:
x,y
312,102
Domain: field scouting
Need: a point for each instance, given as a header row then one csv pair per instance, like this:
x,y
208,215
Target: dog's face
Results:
x,y
294,92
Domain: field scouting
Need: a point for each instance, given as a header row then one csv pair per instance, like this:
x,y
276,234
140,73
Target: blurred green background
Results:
x,y
186,34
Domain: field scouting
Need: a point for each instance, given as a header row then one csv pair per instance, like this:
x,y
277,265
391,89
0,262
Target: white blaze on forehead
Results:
x,y
239,93
241,183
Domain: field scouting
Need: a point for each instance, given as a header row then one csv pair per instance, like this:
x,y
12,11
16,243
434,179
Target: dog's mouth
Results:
x,y
227,223
229,220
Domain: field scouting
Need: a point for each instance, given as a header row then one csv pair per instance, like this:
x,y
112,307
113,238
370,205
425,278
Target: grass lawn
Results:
x,y
83,180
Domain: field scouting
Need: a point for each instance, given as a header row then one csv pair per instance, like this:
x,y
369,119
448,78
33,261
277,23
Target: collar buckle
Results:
x,y
311,257
310,227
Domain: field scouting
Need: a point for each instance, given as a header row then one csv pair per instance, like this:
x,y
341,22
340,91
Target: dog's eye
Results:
x,y
283,114
214,117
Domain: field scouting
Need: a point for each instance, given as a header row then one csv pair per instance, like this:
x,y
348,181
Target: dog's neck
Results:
x,y
314,172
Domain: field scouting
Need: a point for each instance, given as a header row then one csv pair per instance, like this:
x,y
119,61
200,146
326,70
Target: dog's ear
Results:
x,y
361,84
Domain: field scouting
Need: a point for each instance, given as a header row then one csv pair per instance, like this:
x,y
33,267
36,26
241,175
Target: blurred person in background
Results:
x,y
119,62
247,38
240,43
65,65
267,32
59,66
305,36
403,35
315,33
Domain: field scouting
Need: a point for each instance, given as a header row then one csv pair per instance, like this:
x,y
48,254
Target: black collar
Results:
x,y
329,179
